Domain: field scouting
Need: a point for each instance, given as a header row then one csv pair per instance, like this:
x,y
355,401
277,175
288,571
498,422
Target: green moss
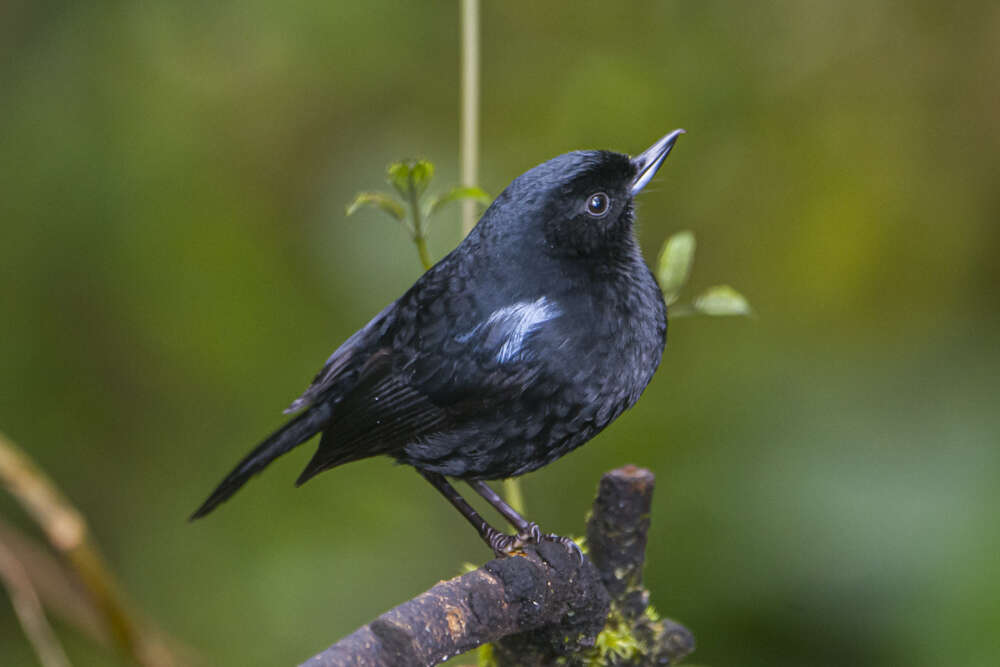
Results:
x,y
615,642
485,657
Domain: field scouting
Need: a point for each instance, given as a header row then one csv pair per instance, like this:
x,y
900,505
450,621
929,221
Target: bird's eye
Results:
x,y
598,204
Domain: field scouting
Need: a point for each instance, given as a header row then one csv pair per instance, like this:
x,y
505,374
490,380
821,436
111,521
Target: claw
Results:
x,y
503,544
566,542
532,534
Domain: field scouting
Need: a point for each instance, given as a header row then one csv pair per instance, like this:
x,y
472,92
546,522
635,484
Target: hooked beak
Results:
x,y
648,162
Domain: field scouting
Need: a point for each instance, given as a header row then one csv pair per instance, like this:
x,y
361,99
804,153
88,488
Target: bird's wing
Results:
x,y
379,415
442,360
343,367
486,360
400,397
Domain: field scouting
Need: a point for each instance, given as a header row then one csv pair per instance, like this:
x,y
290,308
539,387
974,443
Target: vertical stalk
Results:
x,y
419,238
425,257
470,156
469,140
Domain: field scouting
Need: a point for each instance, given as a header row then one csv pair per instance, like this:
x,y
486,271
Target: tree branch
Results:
x,y
542,606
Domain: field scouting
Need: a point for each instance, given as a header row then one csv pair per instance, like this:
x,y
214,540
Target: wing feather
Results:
x,y
429,365
346,360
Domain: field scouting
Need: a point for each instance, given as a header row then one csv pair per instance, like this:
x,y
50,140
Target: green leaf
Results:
x,y
422,172
418,172
722,300
398,176
674,265
678,310
386,202
457,193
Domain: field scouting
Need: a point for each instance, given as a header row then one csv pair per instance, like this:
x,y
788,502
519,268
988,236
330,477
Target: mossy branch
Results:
x,y
542,608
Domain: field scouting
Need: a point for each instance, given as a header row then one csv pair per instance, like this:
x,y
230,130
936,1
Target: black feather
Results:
x,y
286,438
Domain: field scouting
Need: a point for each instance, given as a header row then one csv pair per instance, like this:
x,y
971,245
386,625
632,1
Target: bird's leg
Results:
x,y
527,531
501,544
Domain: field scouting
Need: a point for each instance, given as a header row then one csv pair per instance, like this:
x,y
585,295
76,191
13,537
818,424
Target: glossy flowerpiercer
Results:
x,y
525,341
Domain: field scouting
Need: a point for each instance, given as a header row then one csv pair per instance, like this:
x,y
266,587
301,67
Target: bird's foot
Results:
x,y
507,545
504,544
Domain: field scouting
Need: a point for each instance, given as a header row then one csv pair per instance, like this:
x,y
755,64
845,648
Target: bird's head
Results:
x,y
579,203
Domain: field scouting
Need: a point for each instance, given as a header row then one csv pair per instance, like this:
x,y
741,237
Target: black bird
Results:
x,y
531,336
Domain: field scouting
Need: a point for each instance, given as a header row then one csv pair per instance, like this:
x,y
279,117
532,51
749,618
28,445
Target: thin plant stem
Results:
x,y
470,107
425,257
66,530
419,238
57,585
470,156
29,611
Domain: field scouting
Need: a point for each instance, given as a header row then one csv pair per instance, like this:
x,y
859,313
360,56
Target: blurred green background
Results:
x,y
175,265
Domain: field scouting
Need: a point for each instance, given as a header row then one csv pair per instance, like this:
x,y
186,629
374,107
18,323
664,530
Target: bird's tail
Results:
x,y
286,438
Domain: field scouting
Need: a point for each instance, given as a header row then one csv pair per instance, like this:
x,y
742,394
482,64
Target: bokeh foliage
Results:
x,y
175,264
408,206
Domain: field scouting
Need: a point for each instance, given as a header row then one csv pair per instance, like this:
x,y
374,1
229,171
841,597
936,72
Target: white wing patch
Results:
x,y
511,325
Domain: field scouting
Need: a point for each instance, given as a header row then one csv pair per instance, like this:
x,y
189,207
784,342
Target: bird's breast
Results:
x,y
608,341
